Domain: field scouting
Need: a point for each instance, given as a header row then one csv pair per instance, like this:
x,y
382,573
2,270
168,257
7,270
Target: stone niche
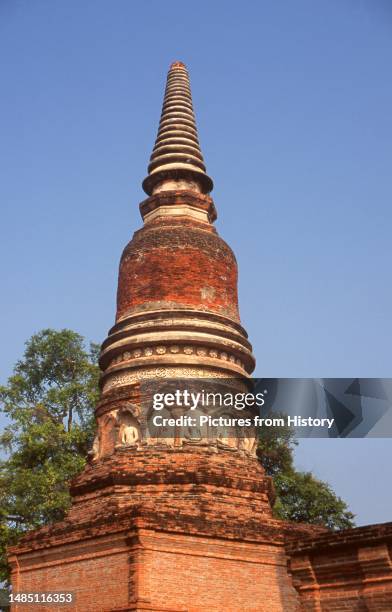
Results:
x,y
117,429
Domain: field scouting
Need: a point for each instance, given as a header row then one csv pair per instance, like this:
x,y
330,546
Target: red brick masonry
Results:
x,y
161,252
189,529
349,570
170,529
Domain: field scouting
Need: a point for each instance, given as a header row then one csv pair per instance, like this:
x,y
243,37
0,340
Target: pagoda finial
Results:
x,y
178,64
176,154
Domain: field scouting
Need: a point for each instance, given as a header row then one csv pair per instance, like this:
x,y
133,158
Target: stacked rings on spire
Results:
x,y
177,151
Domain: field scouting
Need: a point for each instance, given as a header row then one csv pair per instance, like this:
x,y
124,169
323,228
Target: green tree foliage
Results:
x,y
300,496
49,405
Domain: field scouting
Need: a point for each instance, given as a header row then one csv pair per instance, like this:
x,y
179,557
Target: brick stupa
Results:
x,y
182,524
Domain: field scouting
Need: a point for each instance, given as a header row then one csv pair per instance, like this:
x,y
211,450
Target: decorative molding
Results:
x,y
129,378
175,349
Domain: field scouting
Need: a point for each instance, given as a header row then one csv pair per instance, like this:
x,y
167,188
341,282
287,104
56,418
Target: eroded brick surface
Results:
x,y
349,570
169,265
176,529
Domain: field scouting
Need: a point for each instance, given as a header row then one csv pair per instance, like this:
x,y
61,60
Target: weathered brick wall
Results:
x,y
349,570
196,574
176,529
96,572
155,570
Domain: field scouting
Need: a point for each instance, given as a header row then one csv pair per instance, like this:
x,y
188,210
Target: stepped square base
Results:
x,y
143,569
142,535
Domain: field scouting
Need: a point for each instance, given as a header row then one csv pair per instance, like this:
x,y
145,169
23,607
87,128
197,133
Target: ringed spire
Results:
x,y
177,155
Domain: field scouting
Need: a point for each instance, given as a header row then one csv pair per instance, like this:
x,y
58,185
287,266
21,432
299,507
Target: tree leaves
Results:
x,y
305,499
49,401
300,496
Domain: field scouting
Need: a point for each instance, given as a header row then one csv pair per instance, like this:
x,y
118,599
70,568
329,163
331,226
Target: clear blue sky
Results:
x,y
293,102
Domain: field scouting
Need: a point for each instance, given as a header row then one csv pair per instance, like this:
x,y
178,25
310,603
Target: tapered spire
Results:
x,y
176,154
